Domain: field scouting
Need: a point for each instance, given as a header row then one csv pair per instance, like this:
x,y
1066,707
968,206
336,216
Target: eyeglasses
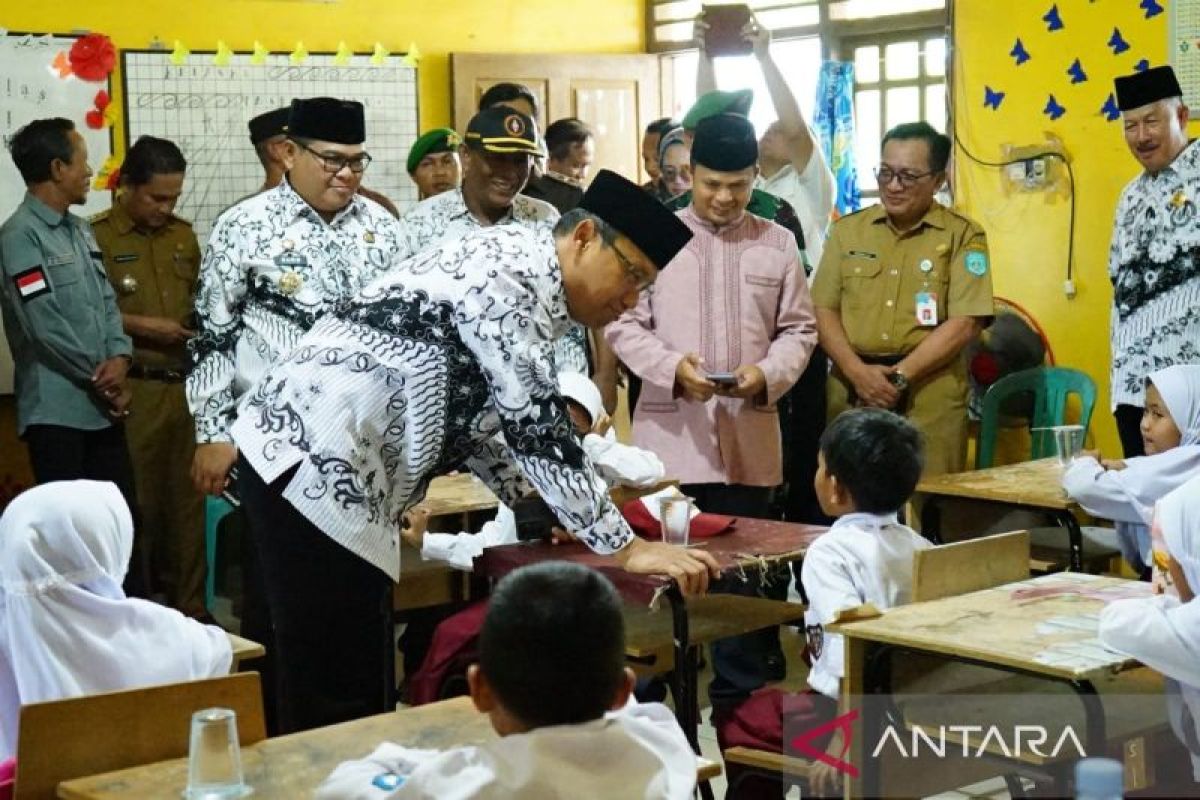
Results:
x,y
635,278
885,175
335,164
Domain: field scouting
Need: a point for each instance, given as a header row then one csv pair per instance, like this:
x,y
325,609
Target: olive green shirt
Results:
x,y
60,316
154,274
872,274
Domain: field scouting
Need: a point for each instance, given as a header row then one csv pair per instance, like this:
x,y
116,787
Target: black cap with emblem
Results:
x,y
1146,87
725,142
327,119
272,123
500,129
638,216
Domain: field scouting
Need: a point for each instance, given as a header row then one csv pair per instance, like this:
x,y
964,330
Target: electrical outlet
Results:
x,y
1069,288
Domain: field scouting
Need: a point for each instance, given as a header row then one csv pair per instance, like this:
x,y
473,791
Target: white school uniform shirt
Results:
x,y
416,377
66,627
445,217
1163,633
1154,265
863,558
639,753
271,268
811,193
1127,496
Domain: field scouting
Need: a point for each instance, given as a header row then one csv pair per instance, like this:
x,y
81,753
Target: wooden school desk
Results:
x,y
1051,637
1031,485
753,545
292,766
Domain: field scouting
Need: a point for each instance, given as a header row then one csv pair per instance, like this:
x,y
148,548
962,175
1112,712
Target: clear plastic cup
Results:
x,y
1068,441
214,757
675,515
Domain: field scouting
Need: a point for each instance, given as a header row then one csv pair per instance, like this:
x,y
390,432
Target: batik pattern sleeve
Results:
x,y
506,323
220,296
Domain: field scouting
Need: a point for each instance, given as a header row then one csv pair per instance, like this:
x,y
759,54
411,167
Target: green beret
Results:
x,y
438,140
718,102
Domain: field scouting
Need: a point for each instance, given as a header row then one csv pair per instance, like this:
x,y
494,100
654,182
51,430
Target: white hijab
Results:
x,y
1146,479
66,627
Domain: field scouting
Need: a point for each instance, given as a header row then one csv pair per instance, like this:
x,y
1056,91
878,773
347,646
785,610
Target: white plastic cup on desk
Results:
x,y
675,516
214,757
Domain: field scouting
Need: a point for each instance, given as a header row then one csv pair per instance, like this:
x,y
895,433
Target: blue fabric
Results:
x,y
834,121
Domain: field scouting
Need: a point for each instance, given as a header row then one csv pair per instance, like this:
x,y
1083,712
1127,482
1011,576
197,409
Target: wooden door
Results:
x,y
618,95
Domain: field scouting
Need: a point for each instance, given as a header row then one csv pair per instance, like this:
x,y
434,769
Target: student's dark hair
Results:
x,y
567,222
661,125
552,645
563,133
151,156
35,146
501,93
876,455
939,143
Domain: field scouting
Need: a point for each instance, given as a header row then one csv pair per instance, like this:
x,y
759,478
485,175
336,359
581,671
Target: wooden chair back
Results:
x,y
81,736
971,565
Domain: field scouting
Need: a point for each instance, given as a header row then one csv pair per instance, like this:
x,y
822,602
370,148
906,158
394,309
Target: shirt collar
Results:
x,y
710,227
1186,161
294,206
935,217
458,208
561,178
121,221
44,212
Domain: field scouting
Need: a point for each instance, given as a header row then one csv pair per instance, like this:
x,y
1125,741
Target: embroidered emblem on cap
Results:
x,y
129,284
514,124
290,282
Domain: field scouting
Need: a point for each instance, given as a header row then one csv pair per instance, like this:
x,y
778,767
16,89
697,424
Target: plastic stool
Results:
x,y
215,509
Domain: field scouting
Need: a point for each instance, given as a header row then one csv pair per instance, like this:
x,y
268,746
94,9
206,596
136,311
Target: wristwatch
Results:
x,y
899,380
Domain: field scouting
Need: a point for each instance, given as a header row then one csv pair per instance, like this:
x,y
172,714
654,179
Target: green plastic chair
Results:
x,y
1050,387
215,509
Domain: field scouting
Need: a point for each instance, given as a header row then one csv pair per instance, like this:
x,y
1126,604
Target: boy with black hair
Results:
x,y
868,466
551,677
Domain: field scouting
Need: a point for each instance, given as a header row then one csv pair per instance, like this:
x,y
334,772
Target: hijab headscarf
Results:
x,y
66,627
666,142
1147,479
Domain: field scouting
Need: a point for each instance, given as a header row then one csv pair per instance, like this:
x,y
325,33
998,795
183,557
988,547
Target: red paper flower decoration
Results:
x,y
114,180
95,117
93,57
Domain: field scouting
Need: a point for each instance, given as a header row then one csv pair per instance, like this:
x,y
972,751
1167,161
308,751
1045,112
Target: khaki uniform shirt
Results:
x,y
153,274
59,315
872,275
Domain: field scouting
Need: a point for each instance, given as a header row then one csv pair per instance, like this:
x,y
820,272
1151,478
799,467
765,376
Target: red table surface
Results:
x,y
750,540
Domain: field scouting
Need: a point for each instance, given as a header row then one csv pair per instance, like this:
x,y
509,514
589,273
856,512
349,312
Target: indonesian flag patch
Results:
x,y
31,283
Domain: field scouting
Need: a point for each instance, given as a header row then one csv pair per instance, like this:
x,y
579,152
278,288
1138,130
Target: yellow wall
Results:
x,y
438,28
1028,234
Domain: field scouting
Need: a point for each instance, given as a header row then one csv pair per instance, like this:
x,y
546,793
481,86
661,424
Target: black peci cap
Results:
x,y
634,212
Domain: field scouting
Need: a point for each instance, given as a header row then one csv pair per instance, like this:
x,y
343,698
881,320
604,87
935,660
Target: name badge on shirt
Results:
x,y
291,260
927,309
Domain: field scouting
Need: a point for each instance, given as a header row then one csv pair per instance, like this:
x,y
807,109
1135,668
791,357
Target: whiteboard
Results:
x,y
204,109
31,89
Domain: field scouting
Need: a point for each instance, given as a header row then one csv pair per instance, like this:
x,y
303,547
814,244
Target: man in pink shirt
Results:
x,y
735,301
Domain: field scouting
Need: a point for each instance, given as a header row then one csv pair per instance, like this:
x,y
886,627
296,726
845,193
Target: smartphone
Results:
x,y
723,378
724,34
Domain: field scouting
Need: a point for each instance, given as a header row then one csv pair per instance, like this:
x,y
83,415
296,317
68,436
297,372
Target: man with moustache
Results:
x,y
433,162
1153,261
70,352
902,288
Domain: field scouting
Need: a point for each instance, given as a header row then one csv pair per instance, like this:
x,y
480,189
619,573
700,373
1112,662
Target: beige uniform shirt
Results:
x,y
153,275
875,277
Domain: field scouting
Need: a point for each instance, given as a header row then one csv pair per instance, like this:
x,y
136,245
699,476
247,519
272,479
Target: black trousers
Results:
x,y
59,453
330,613
1129,429
739,662
801,423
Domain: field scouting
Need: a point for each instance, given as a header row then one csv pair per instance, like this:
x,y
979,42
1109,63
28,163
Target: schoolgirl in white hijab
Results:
x,y
66,626
1126,491
1163,632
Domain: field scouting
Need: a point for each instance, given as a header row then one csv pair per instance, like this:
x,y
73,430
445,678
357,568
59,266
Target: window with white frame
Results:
x,y
898,48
